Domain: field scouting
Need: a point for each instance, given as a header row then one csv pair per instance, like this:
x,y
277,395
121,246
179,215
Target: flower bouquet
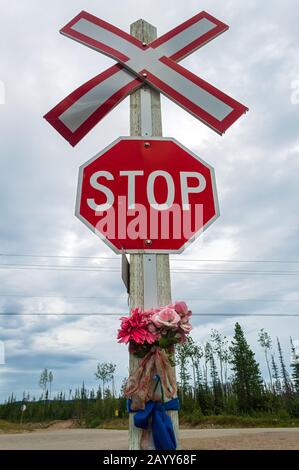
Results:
x,y
152,335
162,327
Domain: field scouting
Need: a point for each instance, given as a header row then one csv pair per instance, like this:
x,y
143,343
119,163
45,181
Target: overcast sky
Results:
x,y
256,164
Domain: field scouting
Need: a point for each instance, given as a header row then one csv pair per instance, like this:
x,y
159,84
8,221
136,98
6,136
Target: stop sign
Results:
x,y
147,195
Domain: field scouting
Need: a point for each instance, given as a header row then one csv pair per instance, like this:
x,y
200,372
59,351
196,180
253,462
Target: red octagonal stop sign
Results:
x,y
147,195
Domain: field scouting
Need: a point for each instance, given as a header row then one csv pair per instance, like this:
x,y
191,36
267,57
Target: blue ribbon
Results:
x,y
162,428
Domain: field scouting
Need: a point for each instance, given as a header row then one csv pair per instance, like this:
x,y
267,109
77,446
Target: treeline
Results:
x,y
222,378
218,378
84,406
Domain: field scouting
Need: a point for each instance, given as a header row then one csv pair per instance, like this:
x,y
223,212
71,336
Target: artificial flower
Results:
x,y
182,309
186,327
134,328
162,327
166,317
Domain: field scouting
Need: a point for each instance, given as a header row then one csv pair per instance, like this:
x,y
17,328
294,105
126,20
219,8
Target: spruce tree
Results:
x,y
217,387
247,380
203,396
275,375
219,342
195,353
182,358
295,367
287,388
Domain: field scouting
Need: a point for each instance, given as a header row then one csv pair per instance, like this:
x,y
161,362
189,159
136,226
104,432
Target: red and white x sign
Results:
x,y
154,64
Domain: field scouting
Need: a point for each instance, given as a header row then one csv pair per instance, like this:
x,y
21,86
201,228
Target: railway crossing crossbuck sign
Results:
x,y
155,64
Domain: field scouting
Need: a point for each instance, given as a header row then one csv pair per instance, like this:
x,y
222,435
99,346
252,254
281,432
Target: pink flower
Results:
x,y
186,327
166,317
135,328
182,309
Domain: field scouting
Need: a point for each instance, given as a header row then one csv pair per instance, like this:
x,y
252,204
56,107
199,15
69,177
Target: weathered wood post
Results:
x,y
149,274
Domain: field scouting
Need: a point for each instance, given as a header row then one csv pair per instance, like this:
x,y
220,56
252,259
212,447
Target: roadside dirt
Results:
x,y
190,439
258,441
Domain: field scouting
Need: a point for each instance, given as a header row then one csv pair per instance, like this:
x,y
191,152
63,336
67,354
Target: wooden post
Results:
x,y
147,270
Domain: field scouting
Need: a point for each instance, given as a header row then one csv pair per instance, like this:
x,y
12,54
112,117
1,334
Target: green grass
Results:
x,y
186,422
221,421
7,427
119,424
206,422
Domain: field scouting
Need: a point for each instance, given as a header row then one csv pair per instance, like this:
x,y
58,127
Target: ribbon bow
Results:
x,y
162,428
139,387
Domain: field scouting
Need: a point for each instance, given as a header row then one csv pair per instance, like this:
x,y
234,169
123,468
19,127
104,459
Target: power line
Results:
x,y
64,297
27,255
57,268
113,269
182,259
203,314
197,299
235,261
250,272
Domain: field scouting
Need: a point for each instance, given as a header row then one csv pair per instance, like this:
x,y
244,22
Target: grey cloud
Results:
x,y
256,165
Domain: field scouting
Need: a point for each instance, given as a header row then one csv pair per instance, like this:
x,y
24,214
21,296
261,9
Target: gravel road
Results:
x,y
192,439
